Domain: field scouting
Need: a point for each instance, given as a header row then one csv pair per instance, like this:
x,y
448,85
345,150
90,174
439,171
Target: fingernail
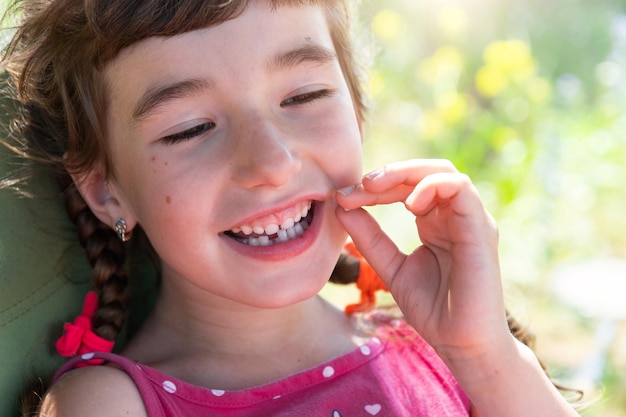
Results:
x,y
374,174
346,190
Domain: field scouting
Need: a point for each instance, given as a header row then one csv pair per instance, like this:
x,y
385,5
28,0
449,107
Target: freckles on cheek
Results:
x,y
156,166
155,161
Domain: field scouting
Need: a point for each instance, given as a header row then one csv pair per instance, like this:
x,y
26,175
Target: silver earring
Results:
x,y
122,232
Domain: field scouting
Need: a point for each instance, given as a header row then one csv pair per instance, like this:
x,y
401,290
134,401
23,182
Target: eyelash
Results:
x,y
204,127
305,98
188,134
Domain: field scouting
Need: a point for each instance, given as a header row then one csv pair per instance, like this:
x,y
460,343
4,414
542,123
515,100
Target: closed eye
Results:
x,y
305,97
188,134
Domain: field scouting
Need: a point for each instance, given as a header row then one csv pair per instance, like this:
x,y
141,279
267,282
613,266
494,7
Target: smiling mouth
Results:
x,y
274,234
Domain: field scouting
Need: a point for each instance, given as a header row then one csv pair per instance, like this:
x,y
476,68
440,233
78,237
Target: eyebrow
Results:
x,y
309,53
160,95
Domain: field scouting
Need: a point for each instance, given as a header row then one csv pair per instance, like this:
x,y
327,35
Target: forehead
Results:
x,y
259,23
256,36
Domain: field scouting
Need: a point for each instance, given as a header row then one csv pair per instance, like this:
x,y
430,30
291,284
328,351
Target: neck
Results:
x,y
229,328
195,332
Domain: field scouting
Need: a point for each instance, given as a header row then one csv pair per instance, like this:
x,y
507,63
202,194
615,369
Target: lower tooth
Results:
x,y
299,230
264,240
282,235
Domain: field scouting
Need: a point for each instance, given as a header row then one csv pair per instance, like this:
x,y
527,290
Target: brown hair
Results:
x,y
55,61
59,50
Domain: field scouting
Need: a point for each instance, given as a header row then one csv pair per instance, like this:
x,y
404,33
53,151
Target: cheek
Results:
x,y
177,195
150,191
164,213
343,155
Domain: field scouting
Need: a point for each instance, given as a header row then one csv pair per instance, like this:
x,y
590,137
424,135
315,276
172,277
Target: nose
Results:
x,y
264,155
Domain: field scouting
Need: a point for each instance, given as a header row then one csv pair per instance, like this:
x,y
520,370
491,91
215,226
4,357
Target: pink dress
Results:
x,y
394,374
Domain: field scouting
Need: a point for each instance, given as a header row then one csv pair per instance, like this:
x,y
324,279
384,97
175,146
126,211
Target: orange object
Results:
x,y
368,283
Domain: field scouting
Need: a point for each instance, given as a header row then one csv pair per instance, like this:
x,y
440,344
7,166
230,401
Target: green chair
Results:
x,y
44,276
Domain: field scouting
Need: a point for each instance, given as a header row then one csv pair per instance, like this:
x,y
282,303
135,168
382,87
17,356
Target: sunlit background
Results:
x,y
528,98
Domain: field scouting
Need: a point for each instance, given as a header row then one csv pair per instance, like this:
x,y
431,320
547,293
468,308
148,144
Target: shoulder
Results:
x,y
95,391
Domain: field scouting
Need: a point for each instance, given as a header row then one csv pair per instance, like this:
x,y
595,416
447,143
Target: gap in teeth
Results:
x,y
272,228
273,234
283,235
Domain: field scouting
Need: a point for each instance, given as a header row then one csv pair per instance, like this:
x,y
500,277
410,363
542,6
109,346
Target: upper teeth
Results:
x,y
289,228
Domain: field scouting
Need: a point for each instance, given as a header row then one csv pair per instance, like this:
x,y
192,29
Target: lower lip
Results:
x,y
282,251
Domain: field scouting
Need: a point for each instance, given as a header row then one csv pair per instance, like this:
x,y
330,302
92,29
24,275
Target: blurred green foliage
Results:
x,y
528,97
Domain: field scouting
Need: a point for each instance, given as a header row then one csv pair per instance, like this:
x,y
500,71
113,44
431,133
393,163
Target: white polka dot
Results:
x,y
218,392
276,397
328,372
373,409
376,340
169,387
87,356
366,350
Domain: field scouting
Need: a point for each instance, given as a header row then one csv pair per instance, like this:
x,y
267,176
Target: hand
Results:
x,y
449,288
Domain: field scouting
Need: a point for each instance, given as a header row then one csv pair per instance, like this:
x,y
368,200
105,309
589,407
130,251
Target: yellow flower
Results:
x,y
512,57
508,62
491,81
388,24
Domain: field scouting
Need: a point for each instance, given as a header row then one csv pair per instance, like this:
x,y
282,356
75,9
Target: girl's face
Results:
x,y
228,144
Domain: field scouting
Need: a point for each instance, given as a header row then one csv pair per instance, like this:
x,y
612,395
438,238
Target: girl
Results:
x,y
230,132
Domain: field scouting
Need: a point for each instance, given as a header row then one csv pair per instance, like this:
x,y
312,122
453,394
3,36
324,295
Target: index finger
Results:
x,y
391,184
409,172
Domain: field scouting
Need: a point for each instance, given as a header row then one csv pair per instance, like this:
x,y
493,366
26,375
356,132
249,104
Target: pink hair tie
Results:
x,y
78,337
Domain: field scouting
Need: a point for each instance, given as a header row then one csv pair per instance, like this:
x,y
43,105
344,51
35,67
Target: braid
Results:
x,y
106,255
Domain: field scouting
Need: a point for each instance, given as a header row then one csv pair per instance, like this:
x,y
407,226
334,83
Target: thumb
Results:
x,y
373,243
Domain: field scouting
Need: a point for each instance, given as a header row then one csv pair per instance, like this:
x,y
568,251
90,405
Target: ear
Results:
x,y
104,198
